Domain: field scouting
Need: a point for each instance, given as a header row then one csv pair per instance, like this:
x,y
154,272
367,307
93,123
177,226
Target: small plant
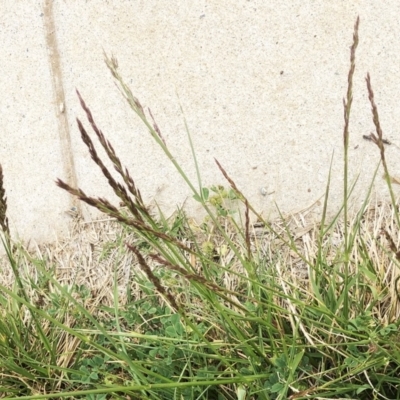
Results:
x,y
218,199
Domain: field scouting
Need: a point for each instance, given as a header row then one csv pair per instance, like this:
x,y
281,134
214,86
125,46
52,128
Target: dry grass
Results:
x,y
94,254
87,256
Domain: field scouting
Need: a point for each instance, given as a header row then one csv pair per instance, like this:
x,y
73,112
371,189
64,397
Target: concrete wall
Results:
x,y
261,84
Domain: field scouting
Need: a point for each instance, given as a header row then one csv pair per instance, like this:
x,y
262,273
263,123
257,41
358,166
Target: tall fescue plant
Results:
x,y
282,340
221,313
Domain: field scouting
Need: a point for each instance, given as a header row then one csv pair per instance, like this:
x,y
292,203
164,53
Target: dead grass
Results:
x,y
94,254
87,256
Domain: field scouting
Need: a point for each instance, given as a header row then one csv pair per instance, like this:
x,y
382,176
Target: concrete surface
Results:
x,y
260,82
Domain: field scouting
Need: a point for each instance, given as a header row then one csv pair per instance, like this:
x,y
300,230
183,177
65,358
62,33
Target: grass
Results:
x,y
144,306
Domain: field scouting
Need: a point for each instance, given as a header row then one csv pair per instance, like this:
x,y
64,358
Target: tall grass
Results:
x,y
218,310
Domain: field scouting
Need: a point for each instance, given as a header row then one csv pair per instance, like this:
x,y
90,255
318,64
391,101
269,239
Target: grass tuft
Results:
x,y
143,306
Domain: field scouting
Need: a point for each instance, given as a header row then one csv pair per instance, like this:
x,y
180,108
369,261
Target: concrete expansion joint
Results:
x,y
59,100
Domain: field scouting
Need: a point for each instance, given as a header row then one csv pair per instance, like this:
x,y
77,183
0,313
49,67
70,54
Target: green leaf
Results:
x,y
205,193
362,388
170,331
296,360
197,198
277,387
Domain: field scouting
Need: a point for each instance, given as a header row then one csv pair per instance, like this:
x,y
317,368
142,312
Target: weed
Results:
x,y
218,310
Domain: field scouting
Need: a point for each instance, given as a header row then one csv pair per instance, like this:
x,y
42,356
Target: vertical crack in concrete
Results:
x,y
59,100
